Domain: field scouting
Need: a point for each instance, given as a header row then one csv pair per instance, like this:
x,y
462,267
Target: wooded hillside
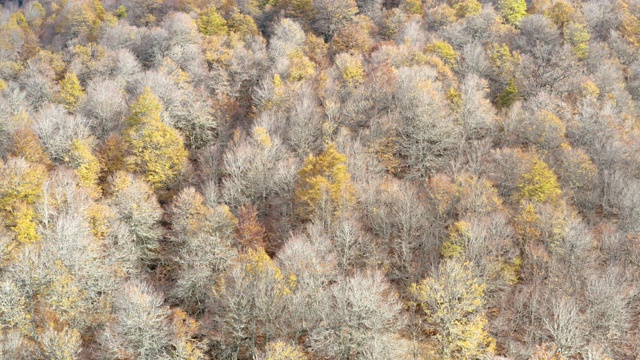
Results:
x,y
320,179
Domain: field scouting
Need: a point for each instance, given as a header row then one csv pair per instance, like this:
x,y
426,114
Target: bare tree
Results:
x,y
361,308
140,326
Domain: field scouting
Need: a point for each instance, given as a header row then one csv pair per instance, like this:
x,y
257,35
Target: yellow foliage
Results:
x,y
385,150
282,351
454,247
146,108
351,69
354,37
261,135
442,193
466,8
22,223
99,219
578,169
630,27
243,25
453,304
442,15
218,50
70,93
560,13
153,149
315,48
301,67
20,181
54,60
323,178
412,6
111,155
511,271
63,294
547,130
175,73
589,90
526,224
444,51
540,184
455,97
211,23
3,85
20,188
85,164
256,261
504,61
476,195
185,329
121,12
577,35
512,10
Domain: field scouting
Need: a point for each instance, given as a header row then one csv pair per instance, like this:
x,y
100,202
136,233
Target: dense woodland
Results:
x,y
320,179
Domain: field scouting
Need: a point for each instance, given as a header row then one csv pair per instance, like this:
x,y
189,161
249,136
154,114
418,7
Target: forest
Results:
x,y
320,179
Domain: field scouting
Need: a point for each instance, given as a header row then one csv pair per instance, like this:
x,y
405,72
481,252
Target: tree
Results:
x,y
248,302
540,183
256,168
56,130
20,188
153,149
324,184
560,13
535,127
578,37
394,212
85,164
428,134
486,242
350,69
509,95
466,8
330,15
512,10
105,103
477,115
354,36
243,25
137,208
211,23
250,233
280,350
71,93
361,310
445,52
27,146
452,301
140,327
201,244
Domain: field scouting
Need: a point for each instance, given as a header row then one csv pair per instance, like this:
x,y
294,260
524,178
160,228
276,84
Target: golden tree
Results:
x,y
452,301
323,182
540,183
154,149
211,23
85,164
71,92
20,187
512,10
